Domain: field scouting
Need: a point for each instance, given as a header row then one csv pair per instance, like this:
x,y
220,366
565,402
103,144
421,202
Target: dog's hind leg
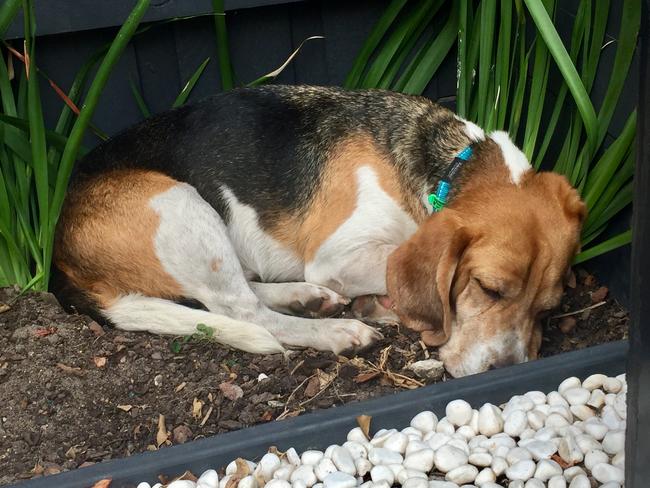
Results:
x,y
299,298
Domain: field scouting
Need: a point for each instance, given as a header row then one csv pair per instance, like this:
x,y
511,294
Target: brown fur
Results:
x,y
336,196
104,241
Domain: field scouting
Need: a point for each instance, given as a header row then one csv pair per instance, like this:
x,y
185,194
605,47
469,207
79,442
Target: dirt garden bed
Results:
x,y
75,393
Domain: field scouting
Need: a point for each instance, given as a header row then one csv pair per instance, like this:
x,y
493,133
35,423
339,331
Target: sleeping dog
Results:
x,y
261,212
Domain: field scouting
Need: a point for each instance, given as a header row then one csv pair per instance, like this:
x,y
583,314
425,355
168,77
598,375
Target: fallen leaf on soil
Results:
x,y
187,475
96,328
4,307
599,295
267,416
102,483
70,369
180,387
567,324
45,331
71,453
231,391
367,376
243,470
313,387
100,361
324,379
590,280
364,423
197,408
162,435
125,408
207,416
571,282
181,434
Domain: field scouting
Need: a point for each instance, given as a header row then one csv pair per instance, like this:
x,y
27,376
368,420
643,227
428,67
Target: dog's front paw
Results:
x,y
370,308
317,301
349,336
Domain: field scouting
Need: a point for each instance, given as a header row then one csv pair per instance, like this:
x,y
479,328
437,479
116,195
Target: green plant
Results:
x,y
35,164
502,83
203,333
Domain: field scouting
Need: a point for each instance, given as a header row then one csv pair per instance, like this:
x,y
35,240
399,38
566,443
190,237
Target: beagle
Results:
x,y
261,212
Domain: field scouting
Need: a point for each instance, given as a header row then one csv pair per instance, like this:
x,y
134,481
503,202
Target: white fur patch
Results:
x,y
140,313
513,156
258,251
473,131
352,261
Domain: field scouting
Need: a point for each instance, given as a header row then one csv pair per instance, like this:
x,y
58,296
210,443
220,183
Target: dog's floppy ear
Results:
x,y
420,274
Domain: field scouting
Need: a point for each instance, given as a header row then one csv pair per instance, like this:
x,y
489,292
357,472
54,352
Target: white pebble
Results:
x,y
296,484
490,421
541,449
442,484
406,474
546,433
344,460
277,484
311,457
517,454
516,484
420,460
356,449
572,472
380,455
357,435
619,460
597,398
554,399
448,457
222,482
397,442
555,482
330,450
605,472
587,443
614,442
577,396
445,426
580,481
536,419
555,420
537,397
480,459
437,440
473,424
415,483
267,466
209,479
546,409
144,484
490,484
324,468
484,476
583,412
246,482
232,467
499,465
610,418
594,457
413,433
414,446
610,484
317,485
305,474
612,385
516,423
569,450
382,473
527,434
546,469
363,466
571,382
500,451
462,474
292,457
381,436
339,480
458,412
466,431
595,428
534,483
425,421
521,470
459,444
283,472
620,405
594,381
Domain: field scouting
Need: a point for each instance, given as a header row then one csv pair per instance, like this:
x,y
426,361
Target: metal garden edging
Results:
x,y
321,428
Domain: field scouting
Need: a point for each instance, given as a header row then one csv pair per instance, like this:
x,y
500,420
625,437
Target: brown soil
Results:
x,y
74,393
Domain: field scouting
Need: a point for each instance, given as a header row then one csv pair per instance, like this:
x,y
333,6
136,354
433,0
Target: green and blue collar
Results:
x,y
438,200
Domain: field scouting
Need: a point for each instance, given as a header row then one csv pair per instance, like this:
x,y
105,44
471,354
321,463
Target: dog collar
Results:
x,y
438,200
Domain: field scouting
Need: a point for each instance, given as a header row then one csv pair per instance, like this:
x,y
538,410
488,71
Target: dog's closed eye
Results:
x,y
492,293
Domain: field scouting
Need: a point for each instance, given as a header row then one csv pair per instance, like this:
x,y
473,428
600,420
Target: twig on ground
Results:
x,y
576,312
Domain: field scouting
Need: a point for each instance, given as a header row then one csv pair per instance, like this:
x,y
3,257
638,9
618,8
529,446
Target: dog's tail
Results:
x,y
136,312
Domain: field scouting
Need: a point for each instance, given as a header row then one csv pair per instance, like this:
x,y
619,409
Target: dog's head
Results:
x,y
477,278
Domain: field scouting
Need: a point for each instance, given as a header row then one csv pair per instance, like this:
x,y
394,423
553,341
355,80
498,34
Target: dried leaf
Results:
x,y
364,423
4,307
125,408
367,376
599,295
563,464
324,378
102,483
70,369
231,391
100,361
162,435
180,387
45,331
571,281
207,416
197,409
96,328
267,416
187,475
313,387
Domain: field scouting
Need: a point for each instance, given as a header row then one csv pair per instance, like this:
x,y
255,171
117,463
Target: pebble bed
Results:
x,y
573,437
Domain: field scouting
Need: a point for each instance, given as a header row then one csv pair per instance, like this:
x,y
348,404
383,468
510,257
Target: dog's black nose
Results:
x,y
501,362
